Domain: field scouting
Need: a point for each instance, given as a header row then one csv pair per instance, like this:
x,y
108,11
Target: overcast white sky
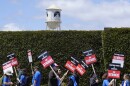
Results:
x,y
18,15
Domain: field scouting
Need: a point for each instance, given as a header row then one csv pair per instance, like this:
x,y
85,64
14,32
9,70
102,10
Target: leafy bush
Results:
x,y
63,44
60,44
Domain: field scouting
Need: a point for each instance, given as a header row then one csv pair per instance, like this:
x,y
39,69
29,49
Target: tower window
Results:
x,y
57,14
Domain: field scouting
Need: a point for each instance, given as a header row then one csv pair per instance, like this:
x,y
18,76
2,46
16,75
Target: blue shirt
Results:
x,y
37,77
5,79
105,82
23,80
127,83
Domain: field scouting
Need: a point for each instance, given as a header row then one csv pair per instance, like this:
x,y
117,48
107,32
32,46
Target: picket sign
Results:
x,y
114,66
14,62
91,59
70,66
80,69
118,58
7,66
114,74
46,62
30,58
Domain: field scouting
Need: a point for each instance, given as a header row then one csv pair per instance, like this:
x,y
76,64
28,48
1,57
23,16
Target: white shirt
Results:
x,y
124,83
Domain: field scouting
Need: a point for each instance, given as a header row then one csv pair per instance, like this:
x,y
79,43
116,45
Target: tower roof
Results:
x,y
53,7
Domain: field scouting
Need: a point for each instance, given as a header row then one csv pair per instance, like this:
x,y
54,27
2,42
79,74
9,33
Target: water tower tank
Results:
x,y
53,14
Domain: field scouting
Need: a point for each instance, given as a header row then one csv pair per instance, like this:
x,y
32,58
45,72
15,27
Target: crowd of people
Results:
x,y
56,80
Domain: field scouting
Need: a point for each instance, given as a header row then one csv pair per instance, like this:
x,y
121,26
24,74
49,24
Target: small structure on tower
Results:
x,y
53,18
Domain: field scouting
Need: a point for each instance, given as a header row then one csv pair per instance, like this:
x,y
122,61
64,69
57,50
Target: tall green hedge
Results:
x,y
117,41
61,45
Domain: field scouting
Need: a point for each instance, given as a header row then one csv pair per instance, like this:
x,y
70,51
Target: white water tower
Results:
x,y
53,15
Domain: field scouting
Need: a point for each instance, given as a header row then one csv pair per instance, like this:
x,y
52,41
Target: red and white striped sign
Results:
x,y
70,66
118,59
80,69
115,74
90,59
47,61
14,62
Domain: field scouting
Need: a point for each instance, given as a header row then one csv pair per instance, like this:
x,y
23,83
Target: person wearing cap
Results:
x,y
53,79
126,81
36,80
6,79
74,79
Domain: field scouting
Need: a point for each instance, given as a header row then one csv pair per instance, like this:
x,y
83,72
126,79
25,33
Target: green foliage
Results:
x,y
61,45
117,41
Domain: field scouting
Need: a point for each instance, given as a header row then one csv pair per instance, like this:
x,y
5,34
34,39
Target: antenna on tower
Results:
x,y
53,18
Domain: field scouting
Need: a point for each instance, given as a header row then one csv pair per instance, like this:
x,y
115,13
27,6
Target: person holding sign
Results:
x,y
53,79
93,80
126,81
74,79
6,79
106,81
36,77
23,78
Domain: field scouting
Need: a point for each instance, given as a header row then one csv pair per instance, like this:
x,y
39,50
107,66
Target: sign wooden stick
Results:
x,y
93,68
31,67
55,73
16,74
63,77
114,82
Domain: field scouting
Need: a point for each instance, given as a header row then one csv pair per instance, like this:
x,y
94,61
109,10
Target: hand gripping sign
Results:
x,y
46,59
118,58
7,66
115,74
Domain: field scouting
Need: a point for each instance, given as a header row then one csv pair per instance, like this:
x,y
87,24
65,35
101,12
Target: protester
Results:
x,y
6,79
19,74
93,80
74,79
53,79
36,80
23,79
106,81
126,81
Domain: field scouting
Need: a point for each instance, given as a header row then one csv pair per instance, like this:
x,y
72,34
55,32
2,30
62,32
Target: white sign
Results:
x,y
29,56
118,59
7,67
